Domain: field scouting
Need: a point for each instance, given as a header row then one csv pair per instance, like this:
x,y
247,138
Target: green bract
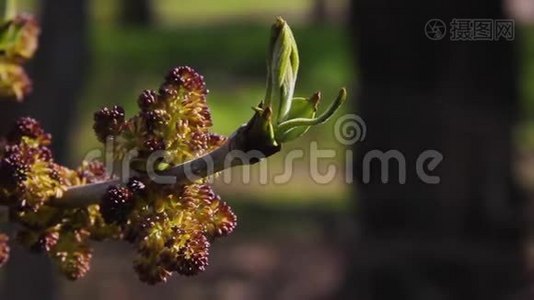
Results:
x,y
284,117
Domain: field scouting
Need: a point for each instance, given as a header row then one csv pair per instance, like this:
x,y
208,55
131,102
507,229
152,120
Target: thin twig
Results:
x,y
244,147
83,195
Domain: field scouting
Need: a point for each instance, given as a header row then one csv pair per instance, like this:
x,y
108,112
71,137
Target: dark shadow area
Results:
x,y
461,237
58,72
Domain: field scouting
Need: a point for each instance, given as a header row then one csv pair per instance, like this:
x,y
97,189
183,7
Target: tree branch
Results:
x,y
245,146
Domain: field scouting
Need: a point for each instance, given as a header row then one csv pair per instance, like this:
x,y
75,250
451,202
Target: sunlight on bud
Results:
x,y
292,116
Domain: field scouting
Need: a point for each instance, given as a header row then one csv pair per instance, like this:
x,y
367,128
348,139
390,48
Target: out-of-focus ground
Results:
x,y
273,255
290,242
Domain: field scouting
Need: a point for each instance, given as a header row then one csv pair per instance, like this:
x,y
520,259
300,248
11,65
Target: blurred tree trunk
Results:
x,y
58,73
461,238
319,12
136,12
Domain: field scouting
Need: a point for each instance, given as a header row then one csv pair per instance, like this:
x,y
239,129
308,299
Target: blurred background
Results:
x,y
465,238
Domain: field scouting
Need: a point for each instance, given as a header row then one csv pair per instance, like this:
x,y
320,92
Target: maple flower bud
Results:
x,y
217,217
193,257
147,100
29,127
155,119
116,204
72,254
108,122
224,219
188,78
152,144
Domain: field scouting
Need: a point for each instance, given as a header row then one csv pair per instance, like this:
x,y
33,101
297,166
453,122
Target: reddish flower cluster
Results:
x,y
172,230
28,127
171,226
19,42
175,119
116,204
27,168
108,122
29,177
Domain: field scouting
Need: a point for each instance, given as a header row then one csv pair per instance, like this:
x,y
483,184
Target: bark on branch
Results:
x,y
244,147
